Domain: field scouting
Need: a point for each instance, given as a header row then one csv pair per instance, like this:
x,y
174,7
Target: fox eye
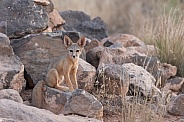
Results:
x,y
71,51
77,50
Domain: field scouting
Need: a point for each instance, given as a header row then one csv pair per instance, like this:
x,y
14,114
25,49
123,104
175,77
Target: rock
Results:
x,y
10,110
42,2
36,53
92,44
149,50
120,77
177,106
167,71
50,7
86,74
174,84
79,21
3,27
11,69
182,89
73,18
94,29
126,40
124,55
11,95
60,102
141,80
55,20
111,77
23,17
85,104
55,100
93,56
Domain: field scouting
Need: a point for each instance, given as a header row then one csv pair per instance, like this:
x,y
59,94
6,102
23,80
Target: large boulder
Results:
x,y
177,106
54,100
79,21
36,52
116,55
85,104
23,17
13,111
79,102
11,95
11,69
122,77
141,80
111,77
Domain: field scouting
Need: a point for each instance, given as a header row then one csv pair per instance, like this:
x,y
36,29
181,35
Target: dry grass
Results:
x,y
166,32
134,108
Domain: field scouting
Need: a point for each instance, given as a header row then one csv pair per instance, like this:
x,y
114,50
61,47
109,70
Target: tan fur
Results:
x,y
65,68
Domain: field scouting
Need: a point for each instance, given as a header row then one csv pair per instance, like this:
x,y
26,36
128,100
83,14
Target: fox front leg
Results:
x,y
68,82
73,76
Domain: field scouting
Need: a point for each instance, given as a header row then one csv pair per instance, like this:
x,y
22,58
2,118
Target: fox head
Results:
x,y
74,49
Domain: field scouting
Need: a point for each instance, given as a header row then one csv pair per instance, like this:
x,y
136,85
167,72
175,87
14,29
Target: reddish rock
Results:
x,y
55,20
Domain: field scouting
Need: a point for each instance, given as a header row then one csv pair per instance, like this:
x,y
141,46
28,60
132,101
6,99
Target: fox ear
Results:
x,y
82,41
67,41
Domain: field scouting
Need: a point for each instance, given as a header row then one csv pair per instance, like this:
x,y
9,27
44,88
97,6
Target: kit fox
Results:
x,y
63,68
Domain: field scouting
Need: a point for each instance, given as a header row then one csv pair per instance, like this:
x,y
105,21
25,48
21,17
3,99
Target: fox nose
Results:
x,y
73,56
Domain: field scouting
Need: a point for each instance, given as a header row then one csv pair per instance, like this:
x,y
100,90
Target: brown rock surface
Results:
x,y
11,69
11,95
10,110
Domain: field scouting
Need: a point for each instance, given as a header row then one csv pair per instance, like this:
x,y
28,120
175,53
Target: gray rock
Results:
x,y
174,84
119,78
23,17
79,21
86,74
111,77
16,112
11,69
177,106
85,104
54,100
93,55
11,95
121,55
142,81
36,52
3,27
